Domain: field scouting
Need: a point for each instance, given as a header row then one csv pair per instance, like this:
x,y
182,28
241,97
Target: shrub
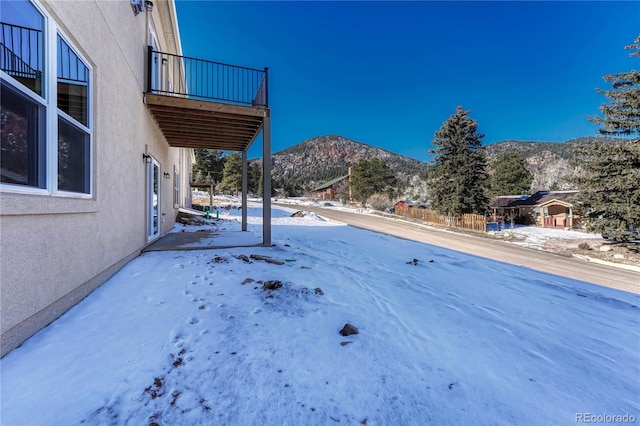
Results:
x,y
378,201
584,246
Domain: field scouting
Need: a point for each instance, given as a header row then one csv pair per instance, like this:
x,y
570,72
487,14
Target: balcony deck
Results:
x,y
193,123
205,104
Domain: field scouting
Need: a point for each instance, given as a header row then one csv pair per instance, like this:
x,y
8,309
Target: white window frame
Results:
x,y
49,101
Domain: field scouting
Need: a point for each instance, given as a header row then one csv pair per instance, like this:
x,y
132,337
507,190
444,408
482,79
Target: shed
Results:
x,y
327,191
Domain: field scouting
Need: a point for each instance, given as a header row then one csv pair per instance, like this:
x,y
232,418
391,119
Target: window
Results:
x,y
46,143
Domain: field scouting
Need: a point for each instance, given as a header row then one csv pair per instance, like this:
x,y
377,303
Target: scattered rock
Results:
x,y
605,248
272,285
349,329
244,258
267,259
584,246
413,262
319,291
618,256
364,422
247,281
344,343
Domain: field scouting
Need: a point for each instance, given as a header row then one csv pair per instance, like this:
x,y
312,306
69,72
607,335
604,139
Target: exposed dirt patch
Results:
x,y
624,253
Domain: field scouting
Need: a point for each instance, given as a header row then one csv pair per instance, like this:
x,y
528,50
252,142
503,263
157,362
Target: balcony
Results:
x,y
206,104
210,105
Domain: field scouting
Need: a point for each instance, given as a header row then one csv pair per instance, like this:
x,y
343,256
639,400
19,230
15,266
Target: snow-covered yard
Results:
x,y
445,338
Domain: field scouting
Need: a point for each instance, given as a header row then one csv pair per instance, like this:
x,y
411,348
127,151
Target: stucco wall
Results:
x,y
56,250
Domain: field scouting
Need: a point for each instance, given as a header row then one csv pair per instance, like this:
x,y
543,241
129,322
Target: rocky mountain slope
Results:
x,y
549,162
320,159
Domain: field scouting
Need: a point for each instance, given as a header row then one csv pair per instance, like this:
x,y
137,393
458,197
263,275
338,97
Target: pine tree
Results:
x,y
510,176
458,180
254,178
609,182
208,166
609,174
622,114
232,173
369,177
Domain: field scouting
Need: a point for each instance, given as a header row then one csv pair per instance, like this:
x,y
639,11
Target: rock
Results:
x,y
242,257
605,248
349,329
344,343
247,281
267,259
272,285
618,256
414,262
299,213
319,291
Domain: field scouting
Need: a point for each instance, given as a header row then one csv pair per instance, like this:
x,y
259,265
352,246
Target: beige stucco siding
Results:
x,y
55,249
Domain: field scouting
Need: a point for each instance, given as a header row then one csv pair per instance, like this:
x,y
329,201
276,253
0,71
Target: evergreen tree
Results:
x,y
369,177
622,114
609,174
510,176
458,180
609,182
232,173
208,166
254,175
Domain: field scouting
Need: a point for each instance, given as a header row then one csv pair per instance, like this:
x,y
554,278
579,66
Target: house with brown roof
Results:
x,y
548,209
552,209
328,191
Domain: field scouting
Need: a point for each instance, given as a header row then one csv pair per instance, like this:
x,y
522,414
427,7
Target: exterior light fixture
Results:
x,y
167,175
146,158
141,5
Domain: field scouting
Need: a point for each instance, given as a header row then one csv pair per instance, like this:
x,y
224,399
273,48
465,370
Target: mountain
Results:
x,y
319,159
549,162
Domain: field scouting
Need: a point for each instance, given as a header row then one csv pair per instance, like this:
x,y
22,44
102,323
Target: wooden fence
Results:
x,y
472,222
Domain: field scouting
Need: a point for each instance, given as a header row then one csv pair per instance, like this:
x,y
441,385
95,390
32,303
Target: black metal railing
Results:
x,y
174,75
21,53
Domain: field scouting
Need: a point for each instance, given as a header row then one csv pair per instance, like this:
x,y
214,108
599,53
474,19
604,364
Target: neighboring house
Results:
x,y
98,126
549,209
552,209
505,207
403,203
327,191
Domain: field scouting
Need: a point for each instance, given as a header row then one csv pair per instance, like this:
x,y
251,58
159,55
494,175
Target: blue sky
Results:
x,y
390,73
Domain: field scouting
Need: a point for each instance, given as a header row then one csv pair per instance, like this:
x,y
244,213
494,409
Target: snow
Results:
x,y
177,338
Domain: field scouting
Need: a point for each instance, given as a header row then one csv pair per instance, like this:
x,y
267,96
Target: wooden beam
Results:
x,y
168,112
187,103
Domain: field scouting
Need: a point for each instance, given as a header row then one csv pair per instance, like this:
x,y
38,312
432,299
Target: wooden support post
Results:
x,y
266,181
244,189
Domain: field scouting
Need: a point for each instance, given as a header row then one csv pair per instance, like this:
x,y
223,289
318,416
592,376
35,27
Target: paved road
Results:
x,y
492,249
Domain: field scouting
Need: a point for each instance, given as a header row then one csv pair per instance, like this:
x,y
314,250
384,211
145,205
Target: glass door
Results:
x,y
153,199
